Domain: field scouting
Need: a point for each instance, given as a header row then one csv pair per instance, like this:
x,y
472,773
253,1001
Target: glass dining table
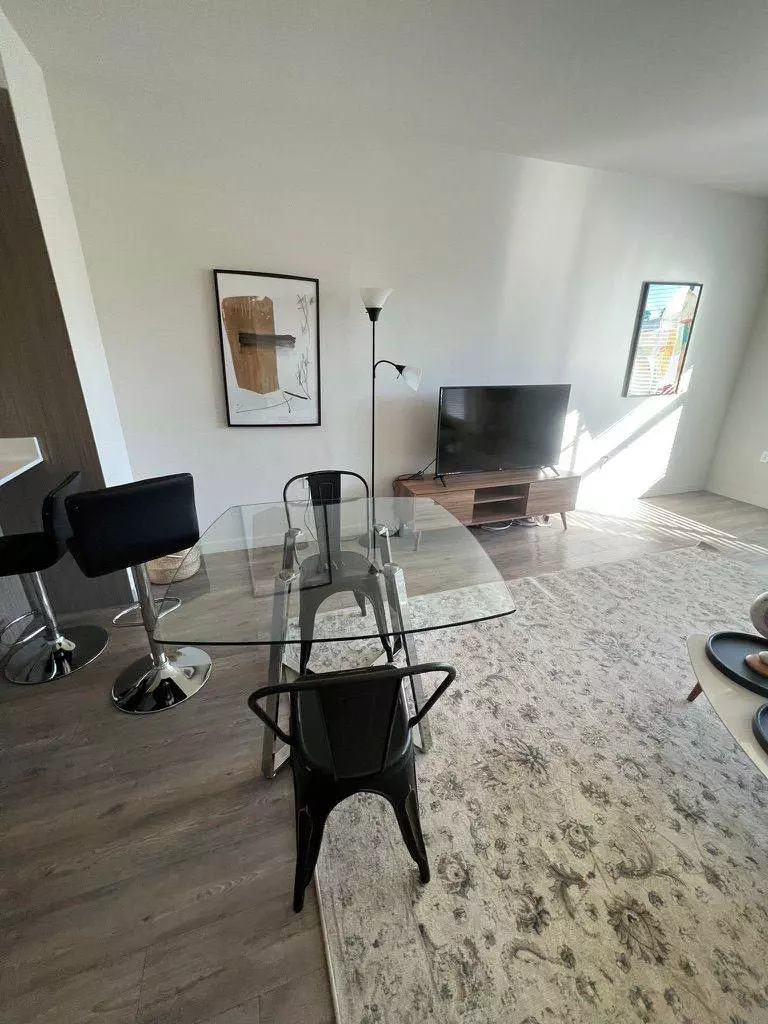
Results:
x,y
290,575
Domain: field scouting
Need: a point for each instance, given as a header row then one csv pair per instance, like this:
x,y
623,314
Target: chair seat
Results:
x,y
26,552
352,737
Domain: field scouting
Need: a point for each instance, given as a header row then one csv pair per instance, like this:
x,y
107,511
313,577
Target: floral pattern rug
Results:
x,y
599,847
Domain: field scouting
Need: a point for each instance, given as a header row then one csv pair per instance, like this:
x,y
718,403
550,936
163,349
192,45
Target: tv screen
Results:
x,y
485,429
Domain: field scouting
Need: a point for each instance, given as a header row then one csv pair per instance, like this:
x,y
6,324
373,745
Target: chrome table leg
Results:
x,y
394,579
272,761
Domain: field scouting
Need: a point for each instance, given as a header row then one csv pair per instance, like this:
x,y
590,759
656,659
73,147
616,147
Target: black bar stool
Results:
x,y
46,652
122,528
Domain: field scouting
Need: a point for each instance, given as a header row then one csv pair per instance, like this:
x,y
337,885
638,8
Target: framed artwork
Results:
x,y
269,327
663,327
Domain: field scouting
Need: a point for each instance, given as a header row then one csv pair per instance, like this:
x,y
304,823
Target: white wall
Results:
x,y
736,468
504,269
34,121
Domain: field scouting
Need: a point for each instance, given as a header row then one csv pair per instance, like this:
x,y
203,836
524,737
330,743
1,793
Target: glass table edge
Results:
x,y
335,639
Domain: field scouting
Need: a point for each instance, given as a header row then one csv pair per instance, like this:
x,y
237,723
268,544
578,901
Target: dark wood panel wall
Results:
x,y
40,390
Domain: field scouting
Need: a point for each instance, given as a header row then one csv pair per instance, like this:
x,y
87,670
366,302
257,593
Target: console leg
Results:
x,y
565,521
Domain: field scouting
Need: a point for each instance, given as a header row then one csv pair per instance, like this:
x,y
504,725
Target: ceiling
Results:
x,y
676,88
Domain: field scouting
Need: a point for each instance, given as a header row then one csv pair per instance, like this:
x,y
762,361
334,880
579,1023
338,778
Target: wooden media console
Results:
x,y
477,498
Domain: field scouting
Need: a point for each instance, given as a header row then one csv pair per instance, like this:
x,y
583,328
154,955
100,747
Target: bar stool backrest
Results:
x,y
119,527
54,516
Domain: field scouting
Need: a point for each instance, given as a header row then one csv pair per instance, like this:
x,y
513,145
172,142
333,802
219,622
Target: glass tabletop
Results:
x,y
269,570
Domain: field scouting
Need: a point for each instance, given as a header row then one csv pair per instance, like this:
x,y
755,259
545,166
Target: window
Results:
x,y
660,341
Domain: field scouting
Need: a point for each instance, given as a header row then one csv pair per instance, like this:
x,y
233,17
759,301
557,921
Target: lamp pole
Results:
x,y
373,300
374,315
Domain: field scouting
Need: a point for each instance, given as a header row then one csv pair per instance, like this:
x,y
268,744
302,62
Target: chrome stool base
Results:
x,y
145,688
42,660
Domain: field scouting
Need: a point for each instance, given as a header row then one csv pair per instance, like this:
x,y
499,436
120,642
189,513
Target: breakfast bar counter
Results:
x,y
17,455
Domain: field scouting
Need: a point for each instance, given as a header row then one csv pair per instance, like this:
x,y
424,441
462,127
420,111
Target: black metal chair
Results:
x,y
332,570
122,528
45,652
350,733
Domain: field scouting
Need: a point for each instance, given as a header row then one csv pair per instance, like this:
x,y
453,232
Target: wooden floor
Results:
x,y
640,527
146,870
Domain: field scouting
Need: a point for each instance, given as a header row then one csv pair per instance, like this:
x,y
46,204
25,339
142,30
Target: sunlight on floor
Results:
x,y
647,517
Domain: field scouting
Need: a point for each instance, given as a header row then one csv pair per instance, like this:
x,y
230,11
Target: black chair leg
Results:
x,y
374,596
405,802
310,825
310,599
307,611
305,652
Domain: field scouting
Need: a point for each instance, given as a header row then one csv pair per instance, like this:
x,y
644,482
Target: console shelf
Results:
x,y
490,494
478,498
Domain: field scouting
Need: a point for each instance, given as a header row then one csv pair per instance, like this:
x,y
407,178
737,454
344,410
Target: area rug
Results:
x,y
599,847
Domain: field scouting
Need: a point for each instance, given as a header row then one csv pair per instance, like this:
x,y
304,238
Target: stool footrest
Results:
x,y
166,605
25,637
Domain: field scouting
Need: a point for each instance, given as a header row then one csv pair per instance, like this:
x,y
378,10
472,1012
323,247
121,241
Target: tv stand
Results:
x,y
478,498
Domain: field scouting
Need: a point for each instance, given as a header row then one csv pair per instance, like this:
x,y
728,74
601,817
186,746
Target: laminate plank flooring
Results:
x,y
595,536
147,870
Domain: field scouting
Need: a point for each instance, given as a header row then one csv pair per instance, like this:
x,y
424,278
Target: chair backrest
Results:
x,y
326,492
118,527
56,525
356,710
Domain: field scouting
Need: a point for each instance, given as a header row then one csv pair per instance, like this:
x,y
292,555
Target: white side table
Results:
x,y
734,704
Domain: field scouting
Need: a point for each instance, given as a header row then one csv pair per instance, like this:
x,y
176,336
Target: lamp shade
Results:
x,y
411,376
374,298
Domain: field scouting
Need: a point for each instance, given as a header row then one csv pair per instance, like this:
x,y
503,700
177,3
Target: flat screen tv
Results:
x,y
485,429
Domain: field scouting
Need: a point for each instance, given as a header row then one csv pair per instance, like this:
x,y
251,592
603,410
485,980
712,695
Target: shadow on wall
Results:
x,y
624,460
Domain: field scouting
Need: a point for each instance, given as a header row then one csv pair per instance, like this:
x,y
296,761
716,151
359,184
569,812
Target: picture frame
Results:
x,y
269,334
664,323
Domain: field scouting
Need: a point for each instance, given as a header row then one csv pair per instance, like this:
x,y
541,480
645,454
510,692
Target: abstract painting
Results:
x,y
663,328
269,327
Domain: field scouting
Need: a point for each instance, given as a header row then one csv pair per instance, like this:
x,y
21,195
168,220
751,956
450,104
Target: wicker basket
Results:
x,y
162,571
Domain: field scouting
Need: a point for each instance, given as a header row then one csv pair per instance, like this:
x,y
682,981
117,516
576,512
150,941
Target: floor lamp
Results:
x,y
373,300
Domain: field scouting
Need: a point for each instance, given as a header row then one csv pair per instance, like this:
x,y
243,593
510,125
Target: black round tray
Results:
x,y
760,726
727,652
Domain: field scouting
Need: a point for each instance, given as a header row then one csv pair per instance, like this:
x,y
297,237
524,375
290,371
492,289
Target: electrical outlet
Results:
x,y
764,457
